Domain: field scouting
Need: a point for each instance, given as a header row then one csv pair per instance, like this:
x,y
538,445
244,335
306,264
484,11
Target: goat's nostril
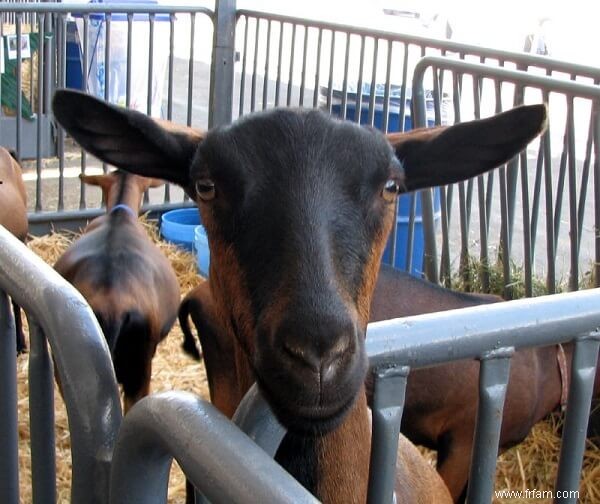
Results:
x,y
300,355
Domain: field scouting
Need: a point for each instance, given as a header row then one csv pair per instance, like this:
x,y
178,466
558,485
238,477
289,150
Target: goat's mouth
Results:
x,y
303,409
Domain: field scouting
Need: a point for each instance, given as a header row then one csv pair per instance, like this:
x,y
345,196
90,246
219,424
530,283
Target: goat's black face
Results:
x,y
297,208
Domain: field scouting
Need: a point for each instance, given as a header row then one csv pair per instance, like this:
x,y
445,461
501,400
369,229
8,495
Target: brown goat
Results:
x,y
127,281
297,207
13,216
441,402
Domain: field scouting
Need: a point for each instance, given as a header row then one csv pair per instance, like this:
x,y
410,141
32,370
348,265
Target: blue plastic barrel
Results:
x,y
400,260
178,226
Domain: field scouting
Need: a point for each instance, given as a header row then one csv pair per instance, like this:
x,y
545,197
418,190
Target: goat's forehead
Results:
x,y
293,139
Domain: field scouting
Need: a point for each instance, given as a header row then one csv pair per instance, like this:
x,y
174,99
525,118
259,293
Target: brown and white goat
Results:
x,y
297,207
128,282
441,402
13,216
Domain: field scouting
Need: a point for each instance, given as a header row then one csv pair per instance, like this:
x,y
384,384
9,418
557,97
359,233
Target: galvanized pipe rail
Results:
x,y
490,334
218,458
577,202
57,312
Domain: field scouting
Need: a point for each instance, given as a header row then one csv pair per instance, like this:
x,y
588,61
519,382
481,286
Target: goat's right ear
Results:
x,y
126,138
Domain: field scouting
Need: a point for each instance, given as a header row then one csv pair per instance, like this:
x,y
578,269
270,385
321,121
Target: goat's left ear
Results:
x,y
444,155
127,139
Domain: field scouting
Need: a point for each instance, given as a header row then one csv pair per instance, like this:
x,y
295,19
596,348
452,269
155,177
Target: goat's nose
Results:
x,y
321,348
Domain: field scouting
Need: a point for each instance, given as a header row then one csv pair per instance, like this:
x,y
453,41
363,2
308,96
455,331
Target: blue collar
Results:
x,y
122,206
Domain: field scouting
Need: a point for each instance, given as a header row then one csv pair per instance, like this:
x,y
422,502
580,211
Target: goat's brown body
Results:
x,y
441,402
13,216
132,289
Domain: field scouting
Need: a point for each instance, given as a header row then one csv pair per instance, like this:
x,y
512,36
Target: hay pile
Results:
x,y
531,465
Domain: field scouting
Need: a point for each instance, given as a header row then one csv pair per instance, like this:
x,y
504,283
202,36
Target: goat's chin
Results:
x,y
308,420
311,419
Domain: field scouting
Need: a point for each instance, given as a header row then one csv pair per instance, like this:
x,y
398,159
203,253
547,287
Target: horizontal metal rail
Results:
x,y
82,361
218,458
91,8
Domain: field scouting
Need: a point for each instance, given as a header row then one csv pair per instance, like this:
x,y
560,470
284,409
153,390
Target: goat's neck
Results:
x,y
126,192
334,466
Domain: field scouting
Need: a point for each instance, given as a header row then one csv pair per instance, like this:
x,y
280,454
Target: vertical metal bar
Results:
x,y
573,218
345,79
550,238
387,88
303,71
403,90
254,68
265,97
279,62
331,66
41,417
243,74
597,195
527,249
19,90
585,176
215,63
291,72
373,89
584,365
40,112
389,389
128,66
9,434
167,193
107,64
150,64
537,190
359,85
445,272
410,235
493,380
318,69
149,89
84,80
560,185
62,56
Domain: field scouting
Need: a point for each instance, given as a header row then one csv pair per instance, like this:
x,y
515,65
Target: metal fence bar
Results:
x,y
426,340
493,382
389,387
9,435
83,363
585,360
183,426
255,417
41,417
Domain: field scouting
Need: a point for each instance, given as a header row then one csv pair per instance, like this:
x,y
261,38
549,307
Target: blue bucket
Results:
x,y
177,226
201,250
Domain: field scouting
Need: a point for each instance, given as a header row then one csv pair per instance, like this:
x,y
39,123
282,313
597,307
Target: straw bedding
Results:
x,y
531,465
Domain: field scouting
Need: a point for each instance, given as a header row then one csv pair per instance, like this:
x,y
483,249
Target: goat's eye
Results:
x,y
390,190
205,189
